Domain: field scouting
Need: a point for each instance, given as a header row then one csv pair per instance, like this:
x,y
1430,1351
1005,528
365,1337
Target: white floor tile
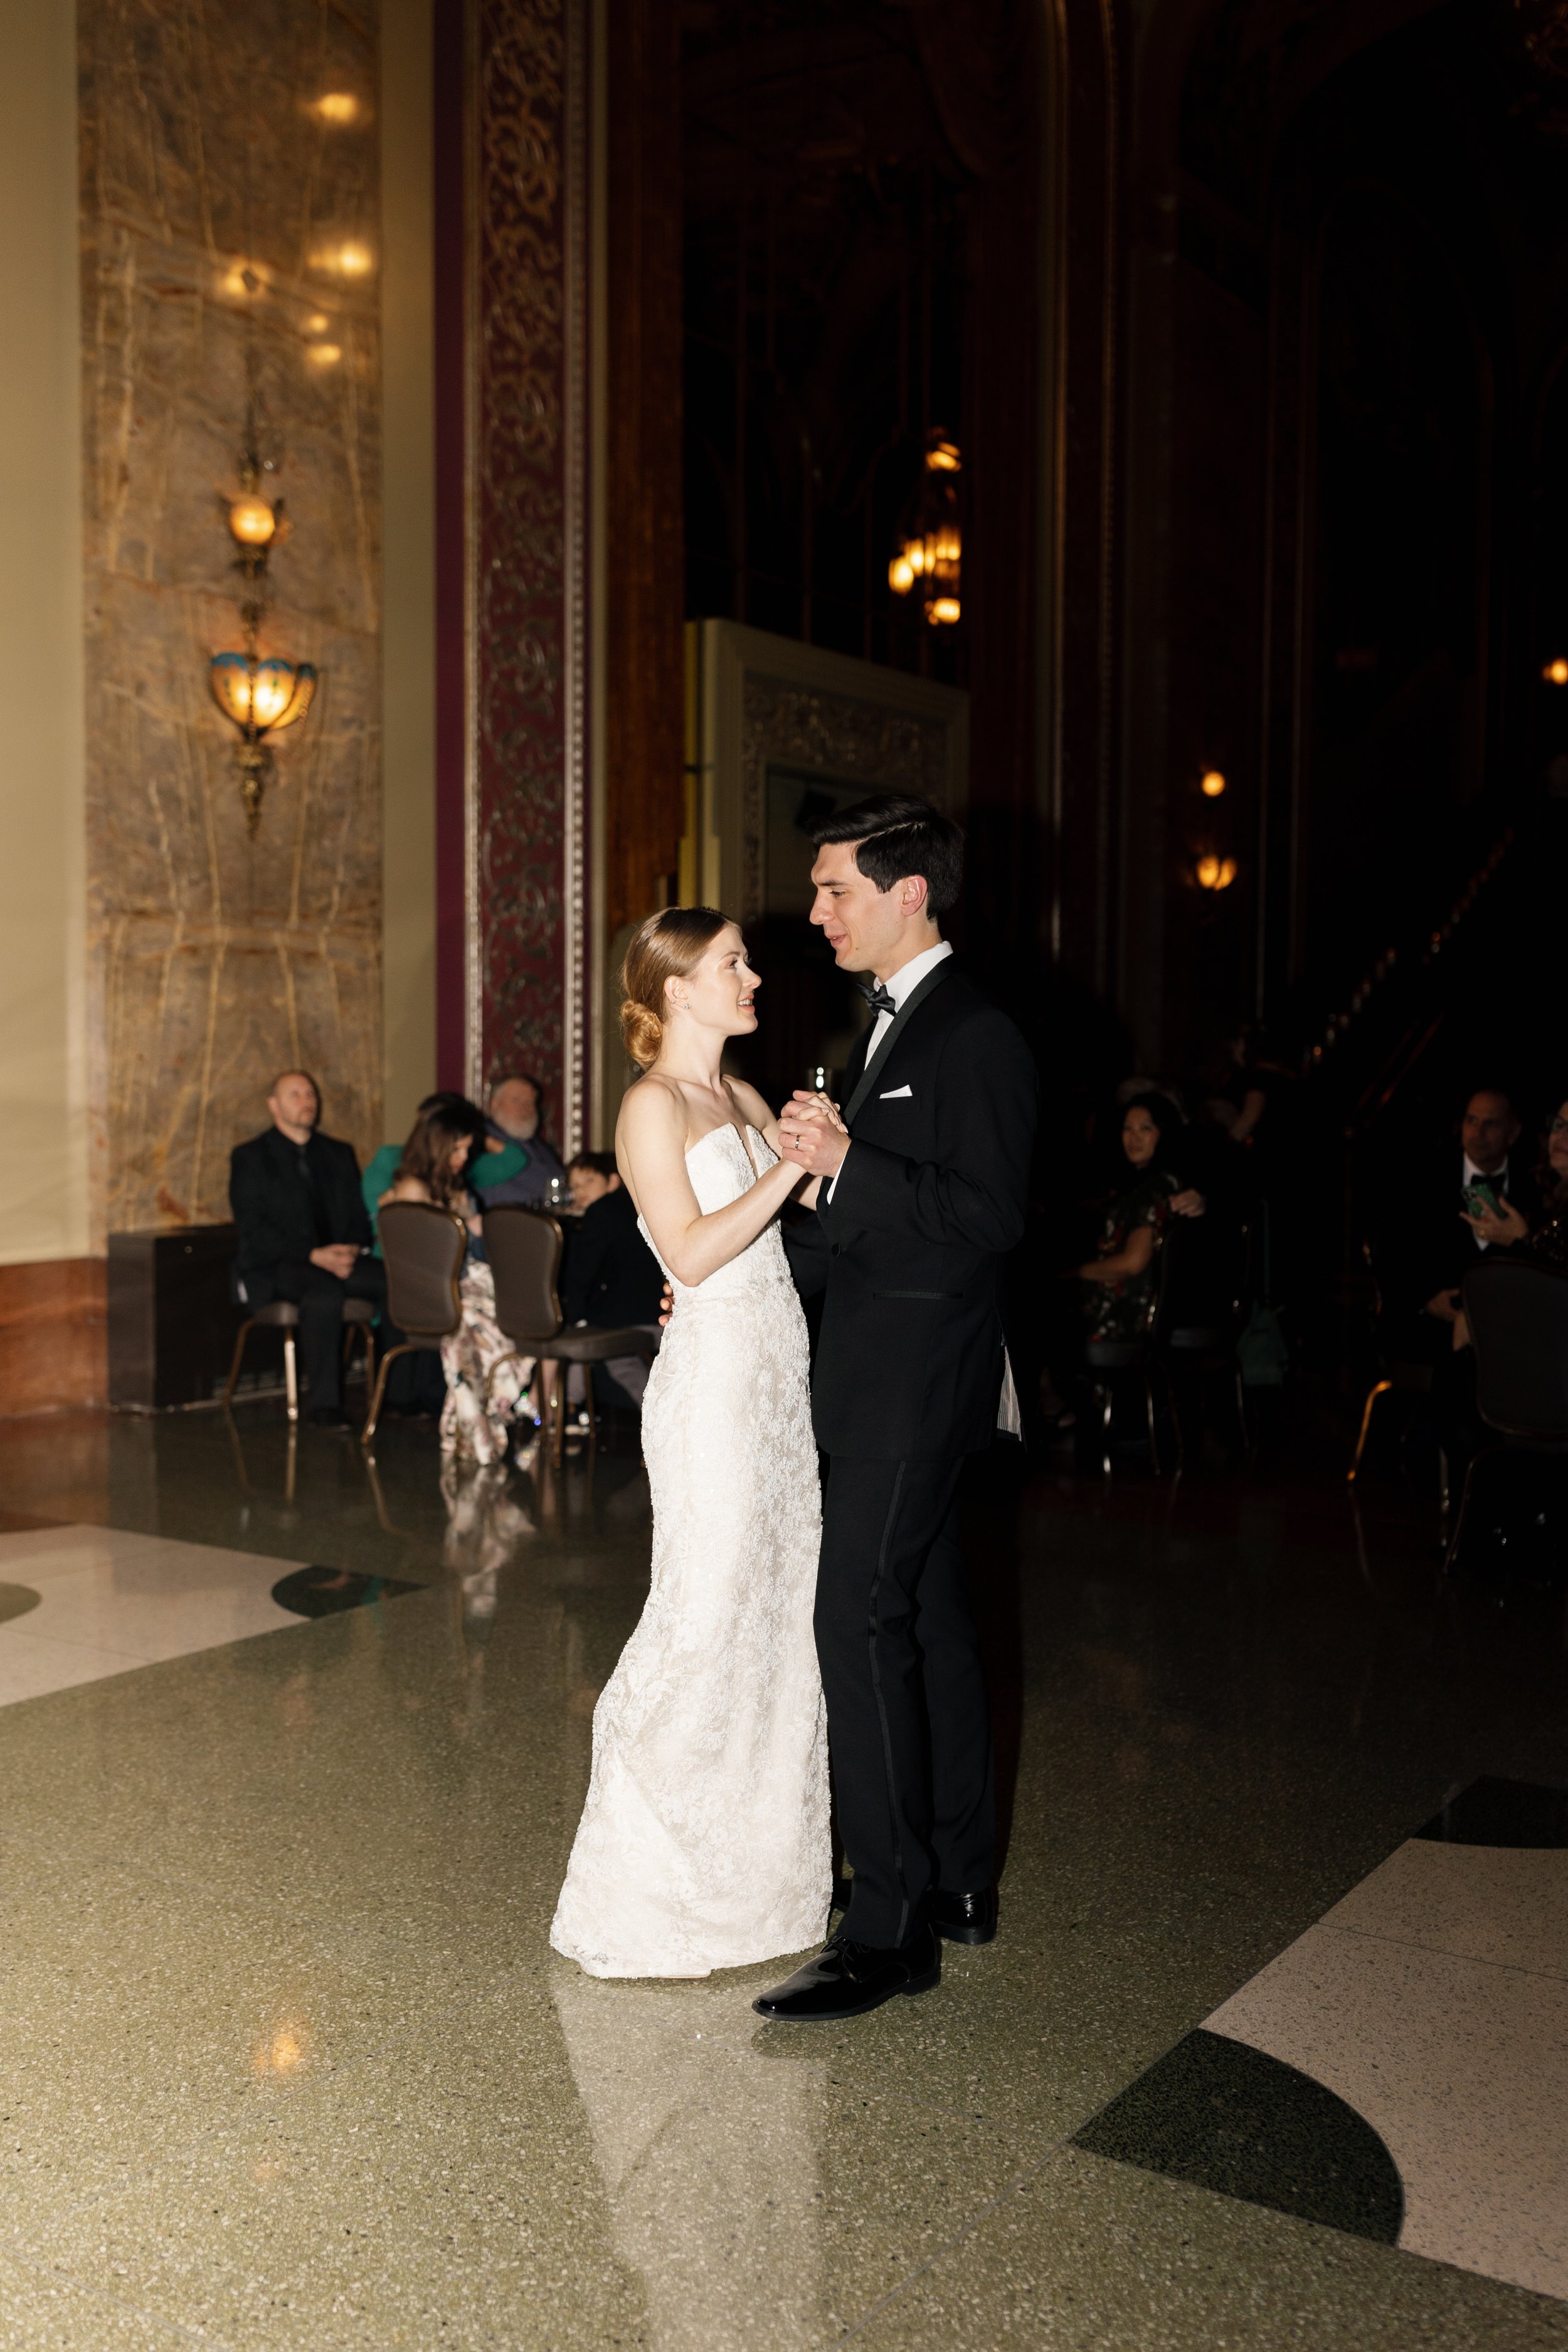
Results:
x,y
1461,2067
1504,1904
110,1600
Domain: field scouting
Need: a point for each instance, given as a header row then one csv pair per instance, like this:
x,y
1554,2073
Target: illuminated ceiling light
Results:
x,y
943,611
242,279
350,260
323,355
1212,784
1214,872
337,107
942,457
1557,672
317,324
253,521
900,575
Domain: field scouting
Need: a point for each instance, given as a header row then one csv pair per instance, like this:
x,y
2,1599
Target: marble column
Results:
x,y
229,229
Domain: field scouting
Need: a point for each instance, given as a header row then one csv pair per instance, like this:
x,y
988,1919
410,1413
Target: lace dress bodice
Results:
x,y
704,1841
722,1165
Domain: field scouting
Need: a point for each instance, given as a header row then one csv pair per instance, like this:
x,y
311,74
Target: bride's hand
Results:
x,y
803,1105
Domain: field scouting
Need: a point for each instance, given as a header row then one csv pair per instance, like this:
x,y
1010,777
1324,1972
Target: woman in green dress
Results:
x,y
1123,1277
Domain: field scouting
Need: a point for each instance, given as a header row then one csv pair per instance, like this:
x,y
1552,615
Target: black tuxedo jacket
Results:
x,y
1426,1246
931,1198
611,1277
272,1208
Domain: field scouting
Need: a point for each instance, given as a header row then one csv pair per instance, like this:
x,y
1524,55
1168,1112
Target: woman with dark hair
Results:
x,y
476,1424
1121,1277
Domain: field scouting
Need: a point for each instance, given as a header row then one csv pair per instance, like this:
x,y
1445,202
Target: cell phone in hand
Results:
x,y
1480,1197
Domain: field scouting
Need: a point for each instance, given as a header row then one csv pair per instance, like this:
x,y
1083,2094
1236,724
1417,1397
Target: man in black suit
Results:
x,y
1428,1243
924,1190
304,1234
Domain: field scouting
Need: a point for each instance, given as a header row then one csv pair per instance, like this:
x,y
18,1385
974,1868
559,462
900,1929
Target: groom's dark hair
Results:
x,y
896,834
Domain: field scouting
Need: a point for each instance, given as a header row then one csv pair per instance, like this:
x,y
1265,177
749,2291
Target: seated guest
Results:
x,y
514,1113
492,1162
476,1418
611,1278
304,1236
1542,1237
1122,1278
1434,1231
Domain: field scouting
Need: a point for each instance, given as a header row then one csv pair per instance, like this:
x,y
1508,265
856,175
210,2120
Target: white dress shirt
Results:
x,y
900,988
1498,1179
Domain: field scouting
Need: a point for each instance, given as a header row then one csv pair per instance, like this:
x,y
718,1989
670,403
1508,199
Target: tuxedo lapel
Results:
x,y
896,1028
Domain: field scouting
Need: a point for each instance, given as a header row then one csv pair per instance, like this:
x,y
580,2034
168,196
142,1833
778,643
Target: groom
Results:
x,y
923,1194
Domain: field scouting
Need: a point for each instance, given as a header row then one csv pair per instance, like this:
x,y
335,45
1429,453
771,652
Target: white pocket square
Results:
x,y
895,1094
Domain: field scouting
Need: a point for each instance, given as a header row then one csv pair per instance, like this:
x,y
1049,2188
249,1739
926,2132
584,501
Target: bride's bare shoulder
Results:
x,y
651,1110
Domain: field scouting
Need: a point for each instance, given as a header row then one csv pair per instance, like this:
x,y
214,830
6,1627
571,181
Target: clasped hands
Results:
x,y
812,1134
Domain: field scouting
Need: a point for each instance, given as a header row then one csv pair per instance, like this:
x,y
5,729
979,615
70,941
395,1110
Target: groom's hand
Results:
x,y
812,1134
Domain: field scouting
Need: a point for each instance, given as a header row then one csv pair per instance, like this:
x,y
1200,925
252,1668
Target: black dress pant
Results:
x,y
908,1724
320,1297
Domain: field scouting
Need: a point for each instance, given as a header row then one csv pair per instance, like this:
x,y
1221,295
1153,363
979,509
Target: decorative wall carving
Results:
x,y
216,960
770,702
789,726
526,333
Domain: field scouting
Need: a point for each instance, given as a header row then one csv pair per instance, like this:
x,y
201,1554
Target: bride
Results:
x,y
704,1841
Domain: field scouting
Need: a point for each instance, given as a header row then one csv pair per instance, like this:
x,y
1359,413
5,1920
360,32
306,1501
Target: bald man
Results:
x,y
303,1233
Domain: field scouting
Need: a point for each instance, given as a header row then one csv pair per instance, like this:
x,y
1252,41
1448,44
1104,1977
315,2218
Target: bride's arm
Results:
x,y
650,1146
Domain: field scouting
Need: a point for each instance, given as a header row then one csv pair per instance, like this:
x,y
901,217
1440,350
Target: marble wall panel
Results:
x,y
219,956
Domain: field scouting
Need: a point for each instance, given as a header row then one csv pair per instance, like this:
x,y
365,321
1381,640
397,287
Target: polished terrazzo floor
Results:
x,y
285,2059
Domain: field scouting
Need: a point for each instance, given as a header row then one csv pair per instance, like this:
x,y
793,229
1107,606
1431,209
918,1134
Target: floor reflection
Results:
x,y
712,2163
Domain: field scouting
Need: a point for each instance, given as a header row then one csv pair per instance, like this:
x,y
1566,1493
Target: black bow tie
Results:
x,y
878,998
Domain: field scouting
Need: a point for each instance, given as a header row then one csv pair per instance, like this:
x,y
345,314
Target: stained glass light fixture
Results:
x,y
259,697
929,549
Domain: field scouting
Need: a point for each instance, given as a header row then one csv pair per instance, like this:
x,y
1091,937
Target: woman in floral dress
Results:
x,y
476,1420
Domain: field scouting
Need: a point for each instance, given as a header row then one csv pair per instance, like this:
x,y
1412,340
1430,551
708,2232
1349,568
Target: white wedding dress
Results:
x,y
704,1841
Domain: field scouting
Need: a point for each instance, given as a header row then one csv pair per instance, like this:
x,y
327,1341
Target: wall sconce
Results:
x,y
1211,785
1557,672
1214,872
930,542
257,697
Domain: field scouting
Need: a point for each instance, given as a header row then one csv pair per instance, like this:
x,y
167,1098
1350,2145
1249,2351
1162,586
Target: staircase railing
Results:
x,y
1372,990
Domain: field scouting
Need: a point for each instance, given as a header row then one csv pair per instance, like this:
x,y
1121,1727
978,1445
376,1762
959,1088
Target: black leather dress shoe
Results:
x,y
963,1918
848,1979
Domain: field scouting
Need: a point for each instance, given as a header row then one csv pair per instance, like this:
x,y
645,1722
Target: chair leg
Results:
x,y
245,1331
1378,1389
388,1359
1149,1417
290,1461
558,1416
1174,1409
290,1376
592,1415
1452,1554
514,1357
1107,1394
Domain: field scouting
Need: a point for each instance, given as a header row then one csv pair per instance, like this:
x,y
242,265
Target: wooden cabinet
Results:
x,y
172,1319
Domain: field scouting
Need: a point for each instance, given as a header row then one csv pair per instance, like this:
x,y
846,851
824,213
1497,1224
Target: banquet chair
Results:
x,y
1518,1316
422,1247
524,1247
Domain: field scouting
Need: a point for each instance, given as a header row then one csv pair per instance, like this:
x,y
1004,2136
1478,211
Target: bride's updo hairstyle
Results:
x,y
667,946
